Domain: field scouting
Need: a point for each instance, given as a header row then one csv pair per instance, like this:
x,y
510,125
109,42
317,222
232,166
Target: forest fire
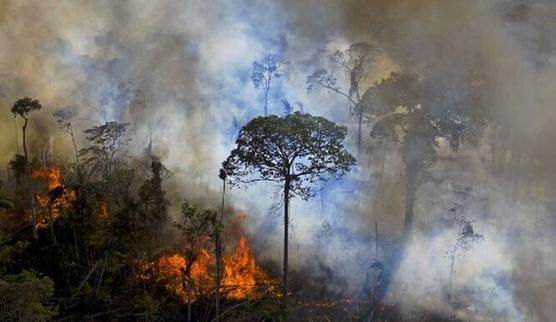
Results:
x,y
242,273
242,277
58,196
232,161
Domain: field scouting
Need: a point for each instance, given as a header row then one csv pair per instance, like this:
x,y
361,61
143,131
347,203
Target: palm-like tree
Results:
x,y
22,108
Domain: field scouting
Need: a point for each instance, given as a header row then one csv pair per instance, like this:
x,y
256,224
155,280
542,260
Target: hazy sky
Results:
x,y
179,71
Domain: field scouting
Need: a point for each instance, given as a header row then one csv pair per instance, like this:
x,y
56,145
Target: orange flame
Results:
x,y
242,277
173,268
63,201
241,273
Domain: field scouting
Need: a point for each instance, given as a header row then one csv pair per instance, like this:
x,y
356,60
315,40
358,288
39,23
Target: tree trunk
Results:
x,y
29,183
51,224
24,129
75,241
410,190
359,134
74,147
285,267
451,282
376,239
218,253
266,99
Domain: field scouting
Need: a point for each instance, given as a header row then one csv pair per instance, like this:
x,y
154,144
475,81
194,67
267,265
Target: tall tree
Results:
x,y
295,151
466,239
64,118
22,108
264,72
154,207
106,140
353,62
218,244
408,111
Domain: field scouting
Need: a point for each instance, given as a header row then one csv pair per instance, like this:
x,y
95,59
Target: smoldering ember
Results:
x,y
311,160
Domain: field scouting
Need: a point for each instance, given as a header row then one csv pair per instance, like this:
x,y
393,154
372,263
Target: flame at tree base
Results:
x,y
242,277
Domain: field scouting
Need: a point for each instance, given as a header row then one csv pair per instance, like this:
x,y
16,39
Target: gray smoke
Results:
x,y
179,72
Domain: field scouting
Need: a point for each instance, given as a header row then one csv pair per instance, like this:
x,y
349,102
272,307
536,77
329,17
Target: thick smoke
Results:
x,y
179,72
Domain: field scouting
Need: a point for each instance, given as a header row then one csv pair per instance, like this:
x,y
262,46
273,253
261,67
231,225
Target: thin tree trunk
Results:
x,y
75,241
286,226
410,190
375,198
29,183
359,134
51,224
25,140
74,147
218,253
451,282
266,100
376,239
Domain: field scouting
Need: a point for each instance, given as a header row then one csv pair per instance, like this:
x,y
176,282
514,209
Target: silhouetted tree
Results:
x,y
218,244
264,72
105,140
154,206
407,111
288,108
64,118
22,108
295,151
467,239
355,62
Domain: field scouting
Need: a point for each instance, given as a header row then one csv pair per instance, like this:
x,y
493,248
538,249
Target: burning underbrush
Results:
x,y
57,198
191,276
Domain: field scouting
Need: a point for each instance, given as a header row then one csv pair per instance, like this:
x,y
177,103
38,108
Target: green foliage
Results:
x,y
25,297
152,196
6,203
298,148
148,303
196,225
9,252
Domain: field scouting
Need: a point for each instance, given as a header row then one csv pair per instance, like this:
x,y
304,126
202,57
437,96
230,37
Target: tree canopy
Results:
x,y
25,105
268,69
298,147
405,111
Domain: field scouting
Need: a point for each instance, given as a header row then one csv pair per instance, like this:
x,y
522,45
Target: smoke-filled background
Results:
x,y
179,72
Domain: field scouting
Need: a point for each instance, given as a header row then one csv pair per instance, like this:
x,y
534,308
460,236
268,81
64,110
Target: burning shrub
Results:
x,y
58,196
242,277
